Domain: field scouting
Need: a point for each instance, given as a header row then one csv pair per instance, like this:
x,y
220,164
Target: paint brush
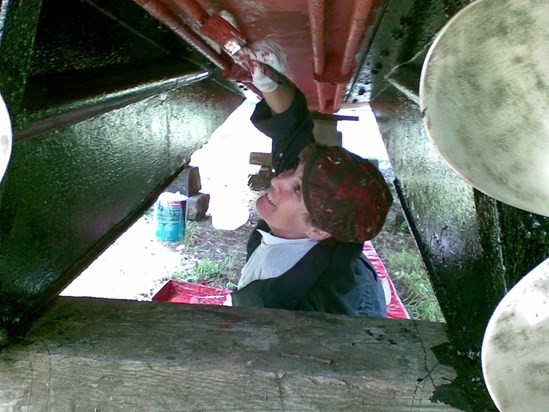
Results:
x,y
223,33
227,36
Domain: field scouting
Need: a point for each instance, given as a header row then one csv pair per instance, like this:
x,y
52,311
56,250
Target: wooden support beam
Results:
x,y
94,354
261,159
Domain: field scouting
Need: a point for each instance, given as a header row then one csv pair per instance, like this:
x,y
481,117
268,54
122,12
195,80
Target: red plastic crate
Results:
x,y
178,291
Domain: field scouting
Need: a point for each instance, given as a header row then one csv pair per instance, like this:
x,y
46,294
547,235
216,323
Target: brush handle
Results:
x,y
224,34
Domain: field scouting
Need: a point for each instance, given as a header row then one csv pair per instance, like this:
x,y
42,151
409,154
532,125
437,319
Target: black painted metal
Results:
x,y
113,119
475,248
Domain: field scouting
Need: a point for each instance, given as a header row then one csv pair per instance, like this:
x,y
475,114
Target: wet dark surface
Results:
x,y
66,194
105,117
474,247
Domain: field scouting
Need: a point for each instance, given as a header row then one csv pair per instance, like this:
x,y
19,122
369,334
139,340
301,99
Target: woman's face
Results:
x,y
283,208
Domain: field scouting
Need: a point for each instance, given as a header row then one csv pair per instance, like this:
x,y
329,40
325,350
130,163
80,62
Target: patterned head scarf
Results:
x,y
346,194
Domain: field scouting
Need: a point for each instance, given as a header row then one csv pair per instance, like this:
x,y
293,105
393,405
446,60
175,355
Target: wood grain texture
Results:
x,y
105,355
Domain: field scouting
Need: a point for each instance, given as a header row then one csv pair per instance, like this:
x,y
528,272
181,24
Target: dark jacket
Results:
x,y
333,278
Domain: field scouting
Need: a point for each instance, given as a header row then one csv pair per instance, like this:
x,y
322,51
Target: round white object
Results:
x,y
515,349
484,92
5,137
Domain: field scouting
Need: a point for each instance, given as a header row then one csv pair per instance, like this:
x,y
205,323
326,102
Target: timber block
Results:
x,y
114,355
188,182
261,159
197,206
261,180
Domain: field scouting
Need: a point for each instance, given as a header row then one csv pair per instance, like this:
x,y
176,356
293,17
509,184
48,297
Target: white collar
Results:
x,y
270,239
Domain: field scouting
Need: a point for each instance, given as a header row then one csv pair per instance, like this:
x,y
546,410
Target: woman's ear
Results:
x,y
317,234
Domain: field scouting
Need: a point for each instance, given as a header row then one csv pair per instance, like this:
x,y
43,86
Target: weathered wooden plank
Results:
x,y
104,355
261,159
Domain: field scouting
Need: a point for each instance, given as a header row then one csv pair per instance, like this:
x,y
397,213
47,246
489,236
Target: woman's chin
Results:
x,y
260,206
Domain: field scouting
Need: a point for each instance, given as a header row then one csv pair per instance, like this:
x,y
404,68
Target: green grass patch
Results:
x,y
206,269
413,285
191,228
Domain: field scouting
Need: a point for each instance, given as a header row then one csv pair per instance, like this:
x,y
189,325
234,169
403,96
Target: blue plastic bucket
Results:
x,y
169,216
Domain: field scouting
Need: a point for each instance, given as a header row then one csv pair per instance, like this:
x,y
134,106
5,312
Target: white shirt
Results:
x,y
273,257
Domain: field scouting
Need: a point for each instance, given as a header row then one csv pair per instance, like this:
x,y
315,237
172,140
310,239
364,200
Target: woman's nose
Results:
x,y
280,180
275,181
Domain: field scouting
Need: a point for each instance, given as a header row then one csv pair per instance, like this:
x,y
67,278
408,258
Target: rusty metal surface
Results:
x,y
322,38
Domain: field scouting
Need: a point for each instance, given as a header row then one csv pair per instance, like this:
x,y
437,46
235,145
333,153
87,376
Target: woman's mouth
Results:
x,y
269,199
